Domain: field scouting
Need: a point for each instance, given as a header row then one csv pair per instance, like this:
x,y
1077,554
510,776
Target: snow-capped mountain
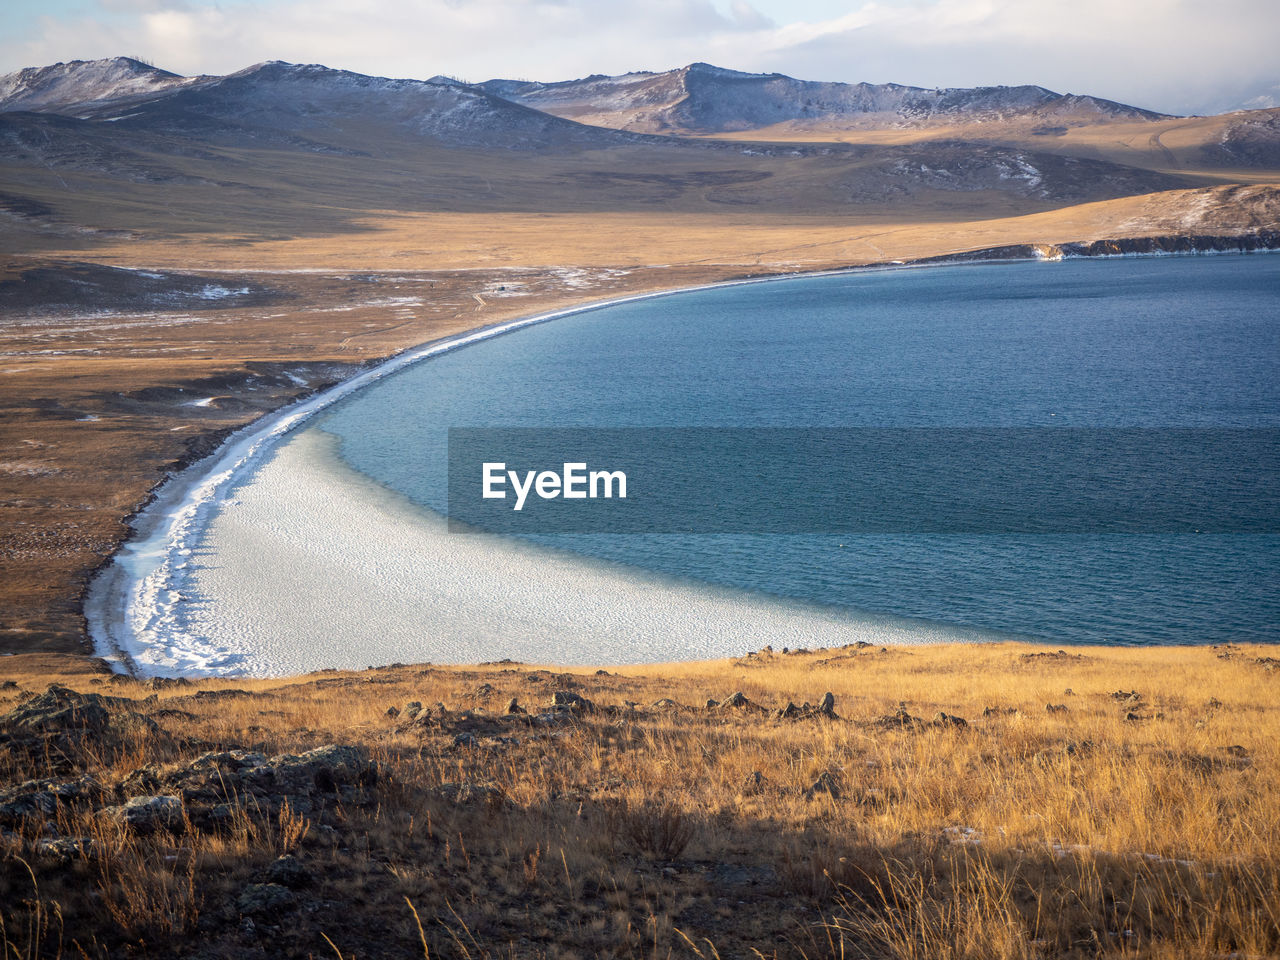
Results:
x,y
64,87
702,98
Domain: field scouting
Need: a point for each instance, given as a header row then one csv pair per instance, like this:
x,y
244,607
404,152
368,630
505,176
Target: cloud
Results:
x,y
1173,55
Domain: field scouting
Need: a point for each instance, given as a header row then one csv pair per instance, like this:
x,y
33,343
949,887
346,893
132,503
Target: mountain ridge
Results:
x,y
702,98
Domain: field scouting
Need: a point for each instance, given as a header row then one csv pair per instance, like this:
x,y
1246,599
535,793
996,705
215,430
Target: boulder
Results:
x,y
149,814
288,871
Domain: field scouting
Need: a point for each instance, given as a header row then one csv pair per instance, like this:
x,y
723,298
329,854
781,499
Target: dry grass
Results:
x,y
662,831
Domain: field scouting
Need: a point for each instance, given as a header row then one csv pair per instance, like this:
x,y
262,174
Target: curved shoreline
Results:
x,y
134,593
134,598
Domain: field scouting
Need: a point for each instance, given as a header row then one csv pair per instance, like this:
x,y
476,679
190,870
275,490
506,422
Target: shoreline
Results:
x,y
309,565
139,576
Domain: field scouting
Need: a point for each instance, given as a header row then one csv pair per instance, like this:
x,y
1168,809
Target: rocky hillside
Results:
x,y
701,98
985,801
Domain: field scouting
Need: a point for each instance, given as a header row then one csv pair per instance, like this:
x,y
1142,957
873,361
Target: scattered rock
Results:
x,y
1237,751
999,711
9,685
513,708
827,706
941,719
1055,708
754,783
412,709
393,711
737,701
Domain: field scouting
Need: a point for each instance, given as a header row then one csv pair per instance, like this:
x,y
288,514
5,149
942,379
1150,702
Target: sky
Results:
x,y
1176,56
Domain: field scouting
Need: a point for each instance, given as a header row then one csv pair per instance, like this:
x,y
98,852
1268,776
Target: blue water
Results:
x,y
1176,342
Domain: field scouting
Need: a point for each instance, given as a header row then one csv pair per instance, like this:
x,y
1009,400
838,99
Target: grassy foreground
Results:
x,y
954,802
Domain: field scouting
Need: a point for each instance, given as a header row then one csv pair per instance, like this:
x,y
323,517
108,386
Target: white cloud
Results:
x,y
1173,55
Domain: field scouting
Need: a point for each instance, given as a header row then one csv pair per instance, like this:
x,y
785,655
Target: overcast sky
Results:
x,y
1177,56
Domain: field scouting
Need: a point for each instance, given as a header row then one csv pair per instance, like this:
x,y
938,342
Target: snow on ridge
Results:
x,y
83,81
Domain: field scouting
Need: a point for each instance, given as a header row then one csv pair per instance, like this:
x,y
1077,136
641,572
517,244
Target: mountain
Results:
x,y
68,87
281,149
303,105
703,99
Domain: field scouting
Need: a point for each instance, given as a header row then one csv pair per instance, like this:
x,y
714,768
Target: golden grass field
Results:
x,y
1138,818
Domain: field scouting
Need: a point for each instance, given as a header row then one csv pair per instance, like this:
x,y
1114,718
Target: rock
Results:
x,y
288,871
789,712
38,799
412,709
827,706
999,711
9,685
711,704
149,814
321,770
755,782
1235,750
1068,692
264,899
1055,708
737,701
27,805
941,719
230,694
484,690
466,740
393,712
666,703
513,708
61,721
1214,703
567,701
66,849
57,710
824,784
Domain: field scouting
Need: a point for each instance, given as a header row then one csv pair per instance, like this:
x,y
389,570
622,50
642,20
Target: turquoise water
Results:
x,y
1175,342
